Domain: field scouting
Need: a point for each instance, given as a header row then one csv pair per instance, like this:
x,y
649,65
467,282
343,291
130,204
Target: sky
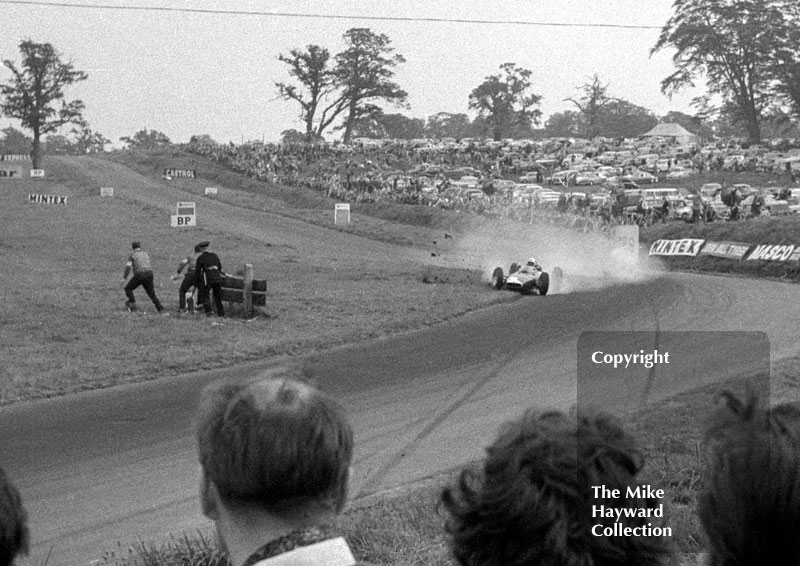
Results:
x,y
188,73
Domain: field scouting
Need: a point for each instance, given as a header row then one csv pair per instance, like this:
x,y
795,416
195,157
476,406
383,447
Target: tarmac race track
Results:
x,y
120,464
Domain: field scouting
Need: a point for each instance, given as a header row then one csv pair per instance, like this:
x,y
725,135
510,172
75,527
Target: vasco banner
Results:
x,y
180,173
685,246
773,253
729,250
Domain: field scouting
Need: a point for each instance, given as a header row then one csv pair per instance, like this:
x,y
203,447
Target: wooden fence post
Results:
x,y
247,290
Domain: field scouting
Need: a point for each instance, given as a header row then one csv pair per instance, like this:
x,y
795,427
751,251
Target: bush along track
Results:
x,y
764,247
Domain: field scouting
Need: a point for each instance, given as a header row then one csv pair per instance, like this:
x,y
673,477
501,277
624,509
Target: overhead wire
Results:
x,y
83,5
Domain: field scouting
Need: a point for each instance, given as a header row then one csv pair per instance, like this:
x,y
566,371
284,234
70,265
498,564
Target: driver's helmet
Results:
x,y
532,263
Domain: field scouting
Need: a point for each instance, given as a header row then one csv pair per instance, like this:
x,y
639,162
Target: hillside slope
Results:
x,y
64,325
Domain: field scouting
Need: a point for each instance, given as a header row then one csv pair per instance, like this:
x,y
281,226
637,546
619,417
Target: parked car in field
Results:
x,y
640,177
710,190
466,182
563,177
546,196
529,177
589,178
679,172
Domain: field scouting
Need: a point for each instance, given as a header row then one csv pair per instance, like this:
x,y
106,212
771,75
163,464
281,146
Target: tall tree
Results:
x,y
505,100
293,136
785,69
313,70
364,73
82,140
14,141
565,124
35,88
379,125
590,105
147,140
448,125
729,43
623,119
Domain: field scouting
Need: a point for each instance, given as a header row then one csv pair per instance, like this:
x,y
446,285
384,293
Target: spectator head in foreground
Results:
x,y
750,503
275,456
13,522
532,503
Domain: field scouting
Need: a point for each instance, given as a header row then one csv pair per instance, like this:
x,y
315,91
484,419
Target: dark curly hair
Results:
x,y
532,502
750,503
13,522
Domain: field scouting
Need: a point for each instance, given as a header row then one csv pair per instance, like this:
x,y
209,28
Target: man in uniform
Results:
x,y
209,274
189,279
139,264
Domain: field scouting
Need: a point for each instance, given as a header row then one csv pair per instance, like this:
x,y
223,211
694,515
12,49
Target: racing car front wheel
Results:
x,y
497,278
544,283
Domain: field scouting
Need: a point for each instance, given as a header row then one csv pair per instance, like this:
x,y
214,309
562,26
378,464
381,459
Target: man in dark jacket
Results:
x,y
189,279
209,274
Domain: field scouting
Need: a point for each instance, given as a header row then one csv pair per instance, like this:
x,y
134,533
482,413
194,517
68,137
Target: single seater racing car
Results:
x,y
526,278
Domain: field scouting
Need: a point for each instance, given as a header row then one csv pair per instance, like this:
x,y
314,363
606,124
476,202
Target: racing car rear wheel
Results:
x,y
514,268
497,278
544,283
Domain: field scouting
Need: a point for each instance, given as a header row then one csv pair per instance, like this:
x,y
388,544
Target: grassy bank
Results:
x,y
63,326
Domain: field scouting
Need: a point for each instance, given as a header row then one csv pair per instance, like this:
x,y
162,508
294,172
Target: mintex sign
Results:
x,y
47,199
180,173
685,246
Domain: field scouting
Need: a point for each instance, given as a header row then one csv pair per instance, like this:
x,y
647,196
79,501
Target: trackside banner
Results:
x,y
730,250
784,252
46,199
180,173
15,157
10,171
685,246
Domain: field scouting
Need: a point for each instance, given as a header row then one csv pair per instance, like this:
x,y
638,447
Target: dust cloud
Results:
x,y
589,260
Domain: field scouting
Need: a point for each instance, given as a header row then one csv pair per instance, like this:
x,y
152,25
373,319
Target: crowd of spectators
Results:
x,y
427,174
554,487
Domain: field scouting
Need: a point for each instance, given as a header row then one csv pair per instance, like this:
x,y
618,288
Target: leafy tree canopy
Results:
x,y
505,100
35,93
146,139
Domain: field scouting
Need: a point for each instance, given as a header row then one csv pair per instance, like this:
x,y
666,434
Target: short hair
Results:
x,y
532,502
749,506
269,442
198,249
135,245
13,522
